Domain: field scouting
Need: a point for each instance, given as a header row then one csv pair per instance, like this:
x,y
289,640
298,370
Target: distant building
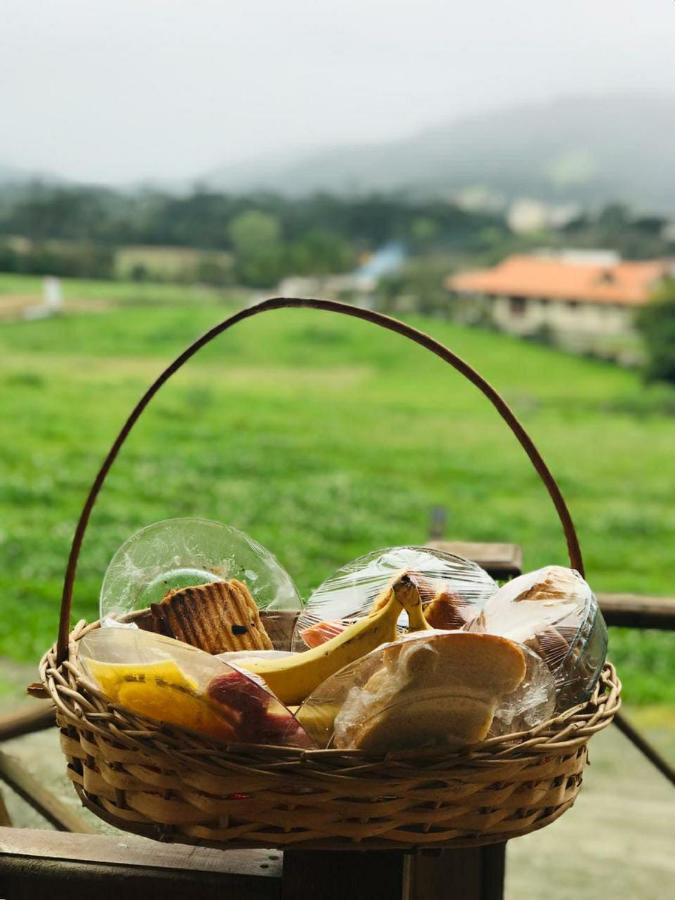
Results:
x,y
357,286
578,296
387,260
525,215
479,199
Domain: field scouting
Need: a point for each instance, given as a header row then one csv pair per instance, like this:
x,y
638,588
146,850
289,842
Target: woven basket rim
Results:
x,y
82,703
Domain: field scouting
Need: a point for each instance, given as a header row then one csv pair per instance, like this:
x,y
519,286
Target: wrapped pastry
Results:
x,y
177,555
175,684
554,612
531,703
428,690
452,589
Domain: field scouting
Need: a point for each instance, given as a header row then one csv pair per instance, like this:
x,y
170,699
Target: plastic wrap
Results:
x,y
555,613
176,684
460,588
532,702
233,656
180,553
434,689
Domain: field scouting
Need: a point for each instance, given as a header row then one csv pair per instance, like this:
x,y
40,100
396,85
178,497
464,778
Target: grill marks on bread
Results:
x,y
216,618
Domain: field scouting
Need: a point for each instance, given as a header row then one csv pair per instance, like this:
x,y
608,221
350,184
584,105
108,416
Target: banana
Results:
x,y
293,678
318,720
416,618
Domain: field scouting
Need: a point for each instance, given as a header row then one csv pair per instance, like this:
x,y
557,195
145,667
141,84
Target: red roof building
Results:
x,y
576,297
560,278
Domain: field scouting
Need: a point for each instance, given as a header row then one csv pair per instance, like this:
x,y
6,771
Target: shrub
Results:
x,y
656,323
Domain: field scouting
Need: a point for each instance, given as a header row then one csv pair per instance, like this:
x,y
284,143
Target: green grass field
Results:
x,y
324,438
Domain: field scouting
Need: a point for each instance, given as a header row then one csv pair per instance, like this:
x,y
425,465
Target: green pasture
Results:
x,y
114,292
167,263
324,438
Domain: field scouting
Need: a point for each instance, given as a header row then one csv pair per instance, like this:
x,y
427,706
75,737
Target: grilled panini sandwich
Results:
x,y
217,617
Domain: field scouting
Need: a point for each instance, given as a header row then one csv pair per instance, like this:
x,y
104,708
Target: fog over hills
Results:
x,y
581,150
586,150
12,175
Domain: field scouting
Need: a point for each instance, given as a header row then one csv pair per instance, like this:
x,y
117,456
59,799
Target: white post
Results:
x,y
52,296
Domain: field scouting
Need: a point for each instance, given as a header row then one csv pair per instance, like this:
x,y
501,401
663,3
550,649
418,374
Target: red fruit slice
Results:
x,y
321,632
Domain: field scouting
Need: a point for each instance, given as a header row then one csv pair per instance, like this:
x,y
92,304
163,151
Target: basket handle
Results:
x,y
418,337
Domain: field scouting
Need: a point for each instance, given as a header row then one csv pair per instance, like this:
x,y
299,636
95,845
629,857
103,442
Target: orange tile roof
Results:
x,y
628,283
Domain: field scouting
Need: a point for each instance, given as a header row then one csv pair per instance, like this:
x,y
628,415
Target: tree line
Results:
x,y
76,230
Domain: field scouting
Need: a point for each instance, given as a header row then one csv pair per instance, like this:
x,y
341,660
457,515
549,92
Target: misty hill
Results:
x,y
577,149
15,181
11,175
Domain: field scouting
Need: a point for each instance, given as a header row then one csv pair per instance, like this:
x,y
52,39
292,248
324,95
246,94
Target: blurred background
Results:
x,y
500,175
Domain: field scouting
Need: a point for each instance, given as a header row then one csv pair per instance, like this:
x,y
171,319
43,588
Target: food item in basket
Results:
x,y
217,617
435,689
320,632
111,676
348,595
442,691
176,684
233,656
532,702
555,613
446,611
260,722
162,691
294,678
182,553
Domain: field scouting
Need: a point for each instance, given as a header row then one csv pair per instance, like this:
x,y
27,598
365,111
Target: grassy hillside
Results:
x,y
324,439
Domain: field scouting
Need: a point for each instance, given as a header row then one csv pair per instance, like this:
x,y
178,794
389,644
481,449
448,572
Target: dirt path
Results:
x,y
16,306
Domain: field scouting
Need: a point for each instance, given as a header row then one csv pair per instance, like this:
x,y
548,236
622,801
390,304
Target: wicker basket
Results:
x,y
169,784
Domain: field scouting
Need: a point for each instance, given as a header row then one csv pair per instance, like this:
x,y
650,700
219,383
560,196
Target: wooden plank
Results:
x,y
469,874
346,875
493,871
42,800
36,879
473,873
36,864
500,560
636,611
129,850
31,717
446,875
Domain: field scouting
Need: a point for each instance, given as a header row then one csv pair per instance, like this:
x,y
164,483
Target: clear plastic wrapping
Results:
x,y
480,660
173,683
459,587
179,553
532,702
434,689
555,613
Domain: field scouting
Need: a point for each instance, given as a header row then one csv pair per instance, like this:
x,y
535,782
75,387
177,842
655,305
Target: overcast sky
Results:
x,y
130,89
